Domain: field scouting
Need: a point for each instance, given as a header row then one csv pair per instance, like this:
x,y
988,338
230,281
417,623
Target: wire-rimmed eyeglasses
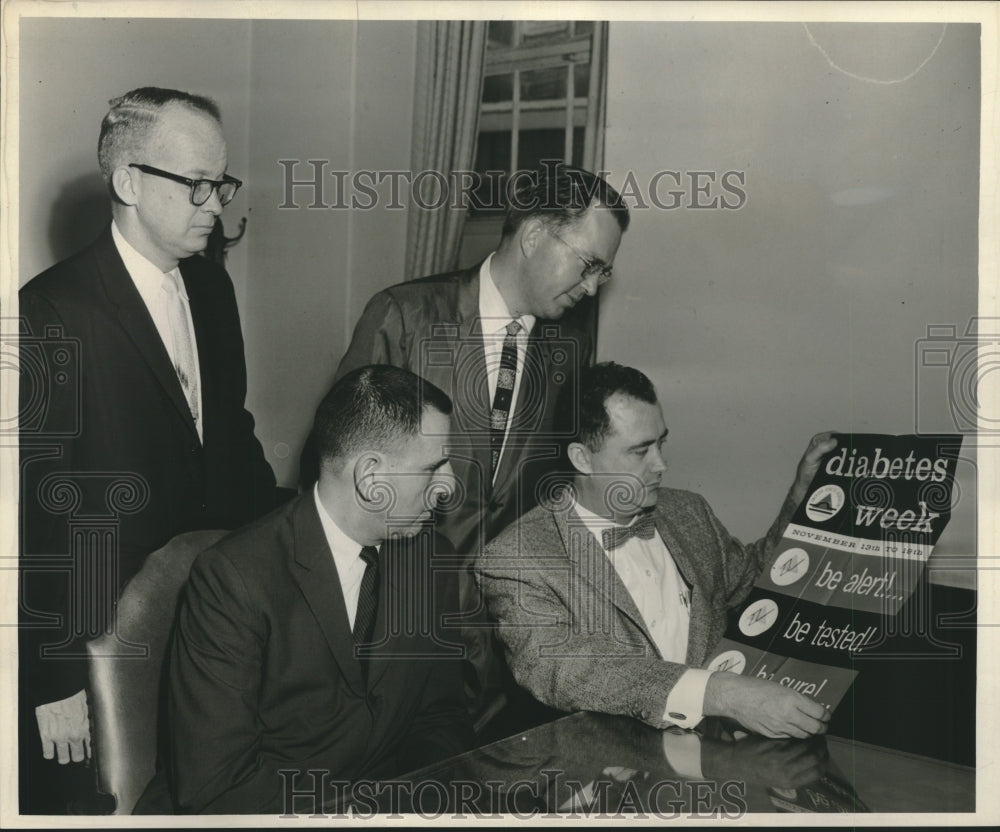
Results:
x,y
591,265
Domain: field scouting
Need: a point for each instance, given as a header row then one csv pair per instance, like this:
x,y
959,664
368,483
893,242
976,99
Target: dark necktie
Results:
x,y
364,618
503,398
616,536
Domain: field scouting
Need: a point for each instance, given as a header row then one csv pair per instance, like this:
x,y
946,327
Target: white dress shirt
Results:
x,y
148,280
495,316
649,573
346,557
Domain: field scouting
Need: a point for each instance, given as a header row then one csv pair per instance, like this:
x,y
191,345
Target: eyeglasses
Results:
x,y
591,265
201,189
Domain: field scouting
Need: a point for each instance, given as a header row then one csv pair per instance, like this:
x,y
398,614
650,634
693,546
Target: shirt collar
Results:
x,y
146,275
346,551
493,310
595,522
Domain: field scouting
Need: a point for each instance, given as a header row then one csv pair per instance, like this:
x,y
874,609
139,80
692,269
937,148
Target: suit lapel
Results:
x,y
470,393
137,323
316,574
593,567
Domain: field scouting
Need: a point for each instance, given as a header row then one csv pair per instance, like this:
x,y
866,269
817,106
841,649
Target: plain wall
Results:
x,y
803,309
339,92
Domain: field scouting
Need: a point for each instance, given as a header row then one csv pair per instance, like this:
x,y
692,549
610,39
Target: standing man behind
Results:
x,y
143,429
486,337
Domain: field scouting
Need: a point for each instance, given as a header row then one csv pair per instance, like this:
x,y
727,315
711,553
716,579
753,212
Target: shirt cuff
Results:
x,y
683,753
687,699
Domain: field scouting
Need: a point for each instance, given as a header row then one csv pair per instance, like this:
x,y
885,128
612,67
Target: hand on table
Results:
x,y
64,727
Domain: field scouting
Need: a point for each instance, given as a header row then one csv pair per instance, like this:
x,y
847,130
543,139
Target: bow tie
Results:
x,y
616,536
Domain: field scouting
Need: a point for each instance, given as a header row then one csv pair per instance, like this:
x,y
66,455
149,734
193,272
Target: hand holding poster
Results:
x,y
851,556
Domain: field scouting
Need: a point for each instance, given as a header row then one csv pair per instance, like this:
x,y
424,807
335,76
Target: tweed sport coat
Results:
x,y
572,633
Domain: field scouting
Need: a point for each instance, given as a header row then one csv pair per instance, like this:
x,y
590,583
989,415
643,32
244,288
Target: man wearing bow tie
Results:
x,y
611,600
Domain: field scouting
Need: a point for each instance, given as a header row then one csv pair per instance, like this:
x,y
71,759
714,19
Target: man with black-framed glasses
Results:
x,y
134,404
493,338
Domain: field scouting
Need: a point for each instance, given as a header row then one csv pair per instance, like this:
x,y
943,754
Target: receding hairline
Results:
x,y
123,139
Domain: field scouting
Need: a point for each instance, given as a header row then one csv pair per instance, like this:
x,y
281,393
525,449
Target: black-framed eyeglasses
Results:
x,y
201,189
591,265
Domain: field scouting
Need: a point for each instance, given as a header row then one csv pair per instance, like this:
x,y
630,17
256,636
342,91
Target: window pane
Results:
x,y
493,151
534,32
498,88
499,33
541,84
535,145
578,135
581,80
584,27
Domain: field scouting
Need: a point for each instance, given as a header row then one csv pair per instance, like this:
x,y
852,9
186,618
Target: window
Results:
x,y
540,101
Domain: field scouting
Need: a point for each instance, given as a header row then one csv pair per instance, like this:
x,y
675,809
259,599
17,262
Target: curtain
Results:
x,y
597,100
585,313
450,58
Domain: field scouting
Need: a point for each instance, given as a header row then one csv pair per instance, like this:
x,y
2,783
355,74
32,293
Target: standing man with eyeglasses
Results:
x,y
488,336
132,413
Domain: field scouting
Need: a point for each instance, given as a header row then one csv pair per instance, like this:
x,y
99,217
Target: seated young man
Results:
x,y
306,642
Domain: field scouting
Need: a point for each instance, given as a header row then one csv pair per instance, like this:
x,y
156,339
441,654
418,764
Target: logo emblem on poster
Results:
x,y
824,503
758,617
789,566
732,660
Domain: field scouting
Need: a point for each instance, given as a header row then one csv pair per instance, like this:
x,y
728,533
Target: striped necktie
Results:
x,y
503,398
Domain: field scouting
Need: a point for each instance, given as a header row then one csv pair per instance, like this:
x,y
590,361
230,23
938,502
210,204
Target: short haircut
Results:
x,y
560,194
598,384
373,407
127,125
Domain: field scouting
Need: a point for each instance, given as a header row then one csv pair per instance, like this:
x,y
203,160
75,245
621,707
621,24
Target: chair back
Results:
x,y
127,668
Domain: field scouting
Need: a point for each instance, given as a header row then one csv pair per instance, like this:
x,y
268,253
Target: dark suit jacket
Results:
x,y
572,633
263,675
431,326
112,466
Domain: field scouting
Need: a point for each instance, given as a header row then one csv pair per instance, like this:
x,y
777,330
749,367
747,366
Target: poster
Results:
x,y
848,560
